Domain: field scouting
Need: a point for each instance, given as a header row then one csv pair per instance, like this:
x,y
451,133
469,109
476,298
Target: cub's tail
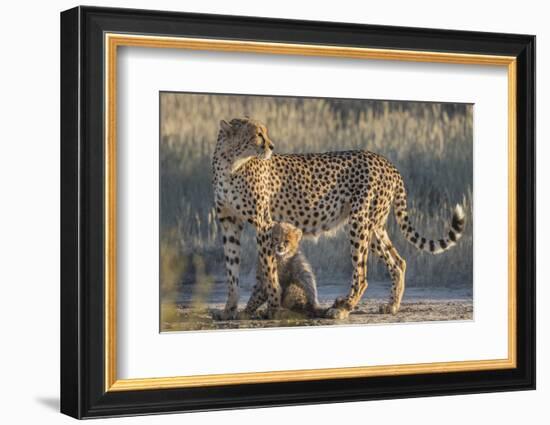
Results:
x,y
428,245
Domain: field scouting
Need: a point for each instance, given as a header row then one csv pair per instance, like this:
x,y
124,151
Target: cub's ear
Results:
x,y
225,127
297,233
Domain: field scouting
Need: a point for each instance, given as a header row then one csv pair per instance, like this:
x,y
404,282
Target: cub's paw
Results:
x,y
224,315
278,314
388,309
337,313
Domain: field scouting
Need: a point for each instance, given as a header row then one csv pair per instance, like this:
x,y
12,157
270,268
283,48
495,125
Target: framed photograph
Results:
x,y
261,212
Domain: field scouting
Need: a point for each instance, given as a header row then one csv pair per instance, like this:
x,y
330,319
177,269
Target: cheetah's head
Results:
x,y
245,139
285,239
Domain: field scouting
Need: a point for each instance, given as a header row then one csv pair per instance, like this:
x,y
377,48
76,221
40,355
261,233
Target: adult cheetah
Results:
x,y
315,192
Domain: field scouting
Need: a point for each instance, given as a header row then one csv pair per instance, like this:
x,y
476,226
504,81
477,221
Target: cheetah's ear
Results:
x,y
225,127
298,234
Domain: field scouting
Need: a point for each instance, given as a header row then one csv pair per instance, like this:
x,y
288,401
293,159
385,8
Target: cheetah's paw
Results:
x,y
388,309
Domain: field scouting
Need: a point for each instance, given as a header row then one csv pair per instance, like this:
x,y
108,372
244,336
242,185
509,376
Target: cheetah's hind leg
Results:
x,y
359,240
396,267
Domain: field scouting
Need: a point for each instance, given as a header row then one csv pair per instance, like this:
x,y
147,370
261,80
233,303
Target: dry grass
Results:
x,y
431,145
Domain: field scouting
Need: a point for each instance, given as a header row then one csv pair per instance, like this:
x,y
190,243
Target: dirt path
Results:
x,y
417,310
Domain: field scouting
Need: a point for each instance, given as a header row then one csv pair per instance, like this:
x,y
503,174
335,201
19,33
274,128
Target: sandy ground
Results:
x,y
417,310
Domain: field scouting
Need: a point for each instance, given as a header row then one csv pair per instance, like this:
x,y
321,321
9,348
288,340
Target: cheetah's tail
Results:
x,y
428,245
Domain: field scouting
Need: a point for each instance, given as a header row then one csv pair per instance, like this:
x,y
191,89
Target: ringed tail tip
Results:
x,y
458,221
459,212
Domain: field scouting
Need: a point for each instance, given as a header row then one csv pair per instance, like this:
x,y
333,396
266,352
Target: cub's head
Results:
x,y
285,239
244,139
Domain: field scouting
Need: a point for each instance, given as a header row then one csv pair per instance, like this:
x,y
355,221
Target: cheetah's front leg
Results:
x,y
231,236
258,296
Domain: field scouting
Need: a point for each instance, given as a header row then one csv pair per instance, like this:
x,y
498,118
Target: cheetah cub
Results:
x,y
296,278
